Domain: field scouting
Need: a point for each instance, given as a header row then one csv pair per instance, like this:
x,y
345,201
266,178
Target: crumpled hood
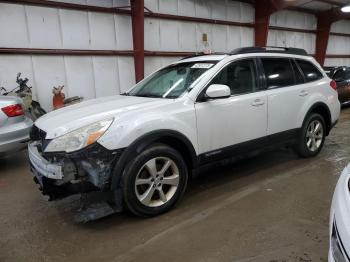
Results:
x,y
64,120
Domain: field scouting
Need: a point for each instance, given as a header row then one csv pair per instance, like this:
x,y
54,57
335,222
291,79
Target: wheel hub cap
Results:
x,y
314,135
157,181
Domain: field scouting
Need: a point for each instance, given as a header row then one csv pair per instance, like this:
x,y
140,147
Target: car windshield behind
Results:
x,y
172,81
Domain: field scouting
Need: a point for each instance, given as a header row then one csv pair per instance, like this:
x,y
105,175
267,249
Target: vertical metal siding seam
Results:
x,y
60,27
94,72
118,75
34,79
116,57
66,75
91,46
27,25
115,31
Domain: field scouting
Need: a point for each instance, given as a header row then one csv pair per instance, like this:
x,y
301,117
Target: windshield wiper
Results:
x,y
148,95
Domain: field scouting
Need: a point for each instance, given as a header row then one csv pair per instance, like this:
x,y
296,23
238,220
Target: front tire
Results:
x,y
154,181
312,136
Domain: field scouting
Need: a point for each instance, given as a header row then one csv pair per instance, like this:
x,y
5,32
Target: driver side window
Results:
x,y
239,76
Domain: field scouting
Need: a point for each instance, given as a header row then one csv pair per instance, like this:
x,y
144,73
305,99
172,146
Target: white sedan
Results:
x,y
340,220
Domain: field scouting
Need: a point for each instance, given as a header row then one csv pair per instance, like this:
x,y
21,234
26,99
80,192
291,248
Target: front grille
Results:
x,y
338,249
36,134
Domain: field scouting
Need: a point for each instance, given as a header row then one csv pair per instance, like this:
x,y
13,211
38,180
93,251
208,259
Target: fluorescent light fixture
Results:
x,y
346,9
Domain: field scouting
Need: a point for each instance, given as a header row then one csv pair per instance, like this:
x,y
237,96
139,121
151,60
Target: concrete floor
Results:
x,y
273,207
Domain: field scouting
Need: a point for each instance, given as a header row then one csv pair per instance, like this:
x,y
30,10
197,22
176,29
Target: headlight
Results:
x,y
79,138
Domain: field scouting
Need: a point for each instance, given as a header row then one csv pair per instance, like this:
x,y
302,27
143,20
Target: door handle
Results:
x,y
258,102
303,93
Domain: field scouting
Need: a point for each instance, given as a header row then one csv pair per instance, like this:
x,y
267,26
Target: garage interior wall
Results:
x,y
167,35
25,26
339,44
295,20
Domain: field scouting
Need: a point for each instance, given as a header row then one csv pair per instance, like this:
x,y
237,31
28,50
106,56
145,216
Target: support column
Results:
x,y
138,18
322,37
263,12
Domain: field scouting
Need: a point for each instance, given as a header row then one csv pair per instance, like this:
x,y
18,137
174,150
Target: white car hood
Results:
x,y
64,120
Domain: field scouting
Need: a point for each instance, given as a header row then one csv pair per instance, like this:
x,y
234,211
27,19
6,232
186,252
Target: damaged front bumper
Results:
x,y
62,174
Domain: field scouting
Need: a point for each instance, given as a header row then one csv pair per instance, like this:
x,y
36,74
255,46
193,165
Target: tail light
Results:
x,y
333,85
13,110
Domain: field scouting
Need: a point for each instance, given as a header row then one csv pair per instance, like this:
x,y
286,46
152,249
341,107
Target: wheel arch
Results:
x,y
171,138
322,109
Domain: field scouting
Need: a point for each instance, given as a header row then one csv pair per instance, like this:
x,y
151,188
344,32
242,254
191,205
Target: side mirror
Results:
x,y
216,91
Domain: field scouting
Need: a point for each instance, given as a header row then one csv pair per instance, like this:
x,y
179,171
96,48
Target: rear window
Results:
x,y
310,71
278,72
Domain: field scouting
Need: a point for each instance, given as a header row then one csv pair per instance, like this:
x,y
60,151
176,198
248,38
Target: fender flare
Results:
x,y
142,142
329,116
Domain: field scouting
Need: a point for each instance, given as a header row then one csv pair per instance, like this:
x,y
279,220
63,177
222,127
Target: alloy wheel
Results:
x,y
157,181
314,135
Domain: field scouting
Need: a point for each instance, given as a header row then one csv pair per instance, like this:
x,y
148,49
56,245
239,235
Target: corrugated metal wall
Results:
x,y
292,19
165,35
94,76
339,44
87,76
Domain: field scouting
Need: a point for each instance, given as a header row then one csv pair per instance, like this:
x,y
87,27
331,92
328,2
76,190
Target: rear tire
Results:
x,y
312,136
154,181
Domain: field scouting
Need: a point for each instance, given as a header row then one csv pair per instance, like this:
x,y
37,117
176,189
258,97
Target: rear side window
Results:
x,y
278,72
310,71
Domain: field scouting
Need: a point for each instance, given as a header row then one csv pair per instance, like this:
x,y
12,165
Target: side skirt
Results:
x,y
253,146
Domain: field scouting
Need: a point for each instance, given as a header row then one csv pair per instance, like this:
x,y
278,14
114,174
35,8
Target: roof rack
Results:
x,y
203,54
269,49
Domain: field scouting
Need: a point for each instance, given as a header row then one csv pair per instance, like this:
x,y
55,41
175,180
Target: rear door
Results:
x,y
286,94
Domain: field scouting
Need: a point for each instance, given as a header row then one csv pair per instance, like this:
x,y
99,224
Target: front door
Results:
x,y
228,123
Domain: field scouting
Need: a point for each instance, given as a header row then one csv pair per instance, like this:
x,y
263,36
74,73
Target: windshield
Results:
x,y
172,81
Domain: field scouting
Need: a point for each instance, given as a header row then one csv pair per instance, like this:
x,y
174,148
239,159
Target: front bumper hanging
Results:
x,y
41,165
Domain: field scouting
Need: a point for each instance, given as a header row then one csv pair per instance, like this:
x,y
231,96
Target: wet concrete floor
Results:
x,y
271,207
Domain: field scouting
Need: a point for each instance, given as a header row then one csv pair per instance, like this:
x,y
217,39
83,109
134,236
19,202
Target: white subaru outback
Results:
x,y
143,145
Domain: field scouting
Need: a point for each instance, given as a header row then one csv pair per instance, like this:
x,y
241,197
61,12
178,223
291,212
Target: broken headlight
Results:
x,y
79,138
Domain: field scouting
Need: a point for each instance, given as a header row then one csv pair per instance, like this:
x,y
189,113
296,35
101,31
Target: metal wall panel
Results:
x,y
167,35
102,31
13,26
337,62
293,19
41,27
338,45
152,64
81,75
292,39
48,71
213,9
106,76
342,26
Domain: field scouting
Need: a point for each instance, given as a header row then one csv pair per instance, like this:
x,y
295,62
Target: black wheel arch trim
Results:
x,y
141,143
329,116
